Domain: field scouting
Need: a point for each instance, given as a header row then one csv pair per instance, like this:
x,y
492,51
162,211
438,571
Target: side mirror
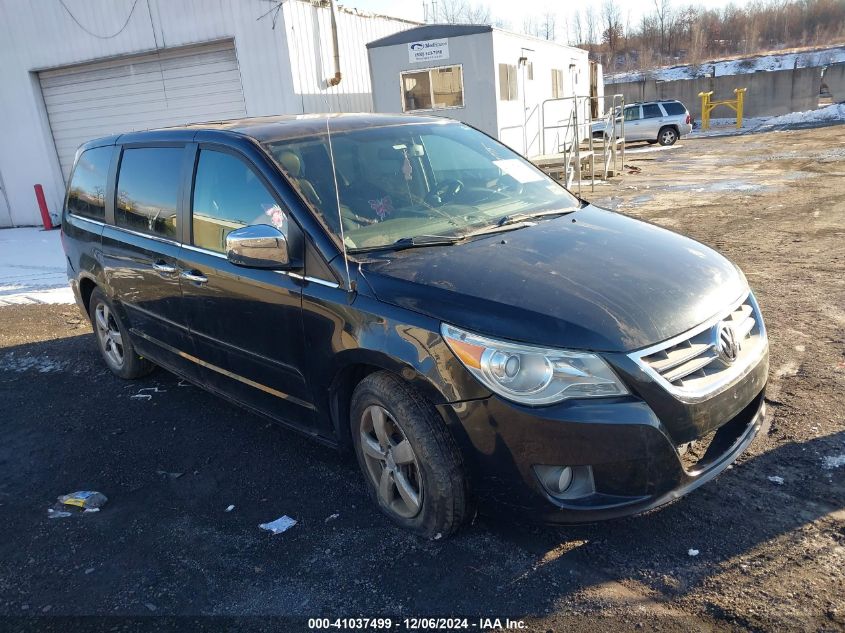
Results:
x,y
258,246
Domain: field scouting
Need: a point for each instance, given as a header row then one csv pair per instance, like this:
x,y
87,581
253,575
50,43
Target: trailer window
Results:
x,y
433,89
507,82
557,83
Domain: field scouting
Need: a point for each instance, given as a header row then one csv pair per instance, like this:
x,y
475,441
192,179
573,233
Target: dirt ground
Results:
x,y
771,556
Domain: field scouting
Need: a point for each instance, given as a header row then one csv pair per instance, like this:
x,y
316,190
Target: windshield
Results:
x,y
405,181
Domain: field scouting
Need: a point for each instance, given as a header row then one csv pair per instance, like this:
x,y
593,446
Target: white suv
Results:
x,y
661,122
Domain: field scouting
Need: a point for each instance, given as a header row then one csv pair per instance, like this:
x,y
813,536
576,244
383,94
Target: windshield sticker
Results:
x,y
382,206
518,170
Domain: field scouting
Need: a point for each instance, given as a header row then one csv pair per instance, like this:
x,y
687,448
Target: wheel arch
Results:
x,y
87,285
355,365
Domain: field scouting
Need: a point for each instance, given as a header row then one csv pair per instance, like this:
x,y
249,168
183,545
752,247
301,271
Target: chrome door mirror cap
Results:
x,y
258,246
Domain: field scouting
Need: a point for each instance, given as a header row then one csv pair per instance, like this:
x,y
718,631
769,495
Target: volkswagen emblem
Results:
x,y
727,343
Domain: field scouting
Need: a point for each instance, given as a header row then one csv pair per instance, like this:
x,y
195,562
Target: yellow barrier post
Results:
x,y
735,104
740,101
705,109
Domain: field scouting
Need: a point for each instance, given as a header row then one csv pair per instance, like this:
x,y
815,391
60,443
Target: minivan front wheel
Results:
x,y
113,339
667,136
411,465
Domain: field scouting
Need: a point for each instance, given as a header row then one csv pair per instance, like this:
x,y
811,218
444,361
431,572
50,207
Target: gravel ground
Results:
x,y
770,555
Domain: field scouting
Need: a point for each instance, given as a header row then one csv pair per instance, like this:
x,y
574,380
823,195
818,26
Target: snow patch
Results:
x,y
741,66
33,268
828,114
833,461
41,363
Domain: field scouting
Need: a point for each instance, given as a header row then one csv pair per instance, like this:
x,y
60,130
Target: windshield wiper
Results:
x,y
416,241
522,217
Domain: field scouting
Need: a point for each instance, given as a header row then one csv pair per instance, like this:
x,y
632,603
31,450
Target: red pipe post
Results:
x,y
42,204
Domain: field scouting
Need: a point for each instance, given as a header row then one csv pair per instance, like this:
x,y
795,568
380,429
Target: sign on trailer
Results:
x,y
428,50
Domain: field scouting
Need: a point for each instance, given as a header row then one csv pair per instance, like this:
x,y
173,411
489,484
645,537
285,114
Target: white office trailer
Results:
x,y
517,88
78,69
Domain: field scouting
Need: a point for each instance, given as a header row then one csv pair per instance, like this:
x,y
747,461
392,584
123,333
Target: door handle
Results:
x,y
164,268
194,276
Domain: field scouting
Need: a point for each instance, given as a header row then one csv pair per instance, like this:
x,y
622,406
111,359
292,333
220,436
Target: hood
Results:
x,y
592,280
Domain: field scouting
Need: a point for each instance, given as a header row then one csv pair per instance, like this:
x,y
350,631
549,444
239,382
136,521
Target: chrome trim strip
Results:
x,y
683,336
732,376
155,238
226,372
81,219
198,249
321,282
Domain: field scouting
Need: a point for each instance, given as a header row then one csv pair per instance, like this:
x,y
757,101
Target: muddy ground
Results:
x,y
770,556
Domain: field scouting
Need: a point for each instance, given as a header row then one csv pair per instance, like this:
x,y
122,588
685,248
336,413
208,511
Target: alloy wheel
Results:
x,y
391,462
668,137
111,340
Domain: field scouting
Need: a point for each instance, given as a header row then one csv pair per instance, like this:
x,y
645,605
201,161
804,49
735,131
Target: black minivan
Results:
x,y
410,289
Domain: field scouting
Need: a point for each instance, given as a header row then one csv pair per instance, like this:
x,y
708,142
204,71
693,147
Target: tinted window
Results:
x,y
87,191
674,108
148,190
227,196
651,111
632,113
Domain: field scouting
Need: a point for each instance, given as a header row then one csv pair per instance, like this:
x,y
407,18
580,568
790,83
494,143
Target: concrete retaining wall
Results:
x,y
768,93
834,79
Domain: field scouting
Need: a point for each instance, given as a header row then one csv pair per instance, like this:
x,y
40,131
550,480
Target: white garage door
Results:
x,y
171,87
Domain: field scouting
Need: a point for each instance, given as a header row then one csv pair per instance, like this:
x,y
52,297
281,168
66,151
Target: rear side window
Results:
x,y
87,191
651,111
673,107
229,195
148,190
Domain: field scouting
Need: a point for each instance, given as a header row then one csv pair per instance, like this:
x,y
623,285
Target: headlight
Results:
x,y
532,375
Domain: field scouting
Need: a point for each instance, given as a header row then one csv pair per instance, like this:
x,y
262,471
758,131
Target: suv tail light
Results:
x,y
689,118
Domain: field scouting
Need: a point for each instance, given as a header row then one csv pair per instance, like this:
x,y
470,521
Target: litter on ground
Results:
x,y
775,479
85,499
692,552
229,508
282,524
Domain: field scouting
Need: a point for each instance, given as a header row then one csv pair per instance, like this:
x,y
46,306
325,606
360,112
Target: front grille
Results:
x,y
692,365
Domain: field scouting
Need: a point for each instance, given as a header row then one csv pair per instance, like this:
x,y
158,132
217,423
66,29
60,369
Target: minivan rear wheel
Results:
x,y
113,339
411,465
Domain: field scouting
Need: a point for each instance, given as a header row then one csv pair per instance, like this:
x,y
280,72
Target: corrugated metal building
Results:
x,y
72,70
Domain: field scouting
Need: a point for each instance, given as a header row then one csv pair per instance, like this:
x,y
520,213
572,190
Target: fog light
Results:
x,y
566,482
555,479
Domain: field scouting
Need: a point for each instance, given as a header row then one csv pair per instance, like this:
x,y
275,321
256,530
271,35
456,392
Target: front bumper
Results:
x,y
633,453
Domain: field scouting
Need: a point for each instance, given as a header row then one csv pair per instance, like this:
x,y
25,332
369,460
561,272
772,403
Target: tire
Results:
x,y
113,339
667,136
422,462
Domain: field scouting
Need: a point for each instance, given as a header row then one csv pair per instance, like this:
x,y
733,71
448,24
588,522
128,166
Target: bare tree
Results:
x,y
547,25
590,22
462,12
577,28
663,11
611,29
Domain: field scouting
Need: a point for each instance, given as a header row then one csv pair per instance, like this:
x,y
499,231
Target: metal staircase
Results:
x,y
572,142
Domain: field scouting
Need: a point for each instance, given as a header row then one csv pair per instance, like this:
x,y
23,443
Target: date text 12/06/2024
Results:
x,y
416,624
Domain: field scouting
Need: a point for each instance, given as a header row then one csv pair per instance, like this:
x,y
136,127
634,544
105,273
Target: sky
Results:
x,y
514,13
